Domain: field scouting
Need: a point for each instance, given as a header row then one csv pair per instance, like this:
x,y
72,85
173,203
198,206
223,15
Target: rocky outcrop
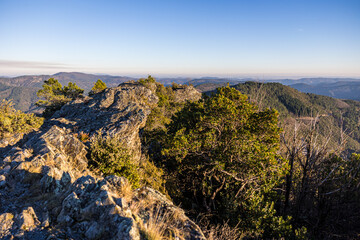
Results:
x,y
11,140
186,92
119,111
48,192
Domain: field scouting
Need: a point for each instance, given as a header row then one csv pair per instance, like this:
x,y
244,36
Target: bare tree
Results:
x,y
319,175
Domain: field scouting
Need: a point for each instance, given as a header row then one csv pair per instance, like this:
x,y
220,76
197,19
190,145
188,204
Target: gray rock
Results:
x,y
27,219
48,192
119,111
2,180
5,170
186,93
6,224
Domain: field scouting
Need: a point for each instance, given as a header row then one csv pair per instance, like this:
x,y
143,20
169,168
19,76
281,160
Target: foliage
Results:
x,y
15,121
152,135
147,81
222,154
223,232
343,114
283,98
175,86
155,220
151,175
161,114
295,106
55,95
110,156
98,87
156,227
82,136
72,91
320,134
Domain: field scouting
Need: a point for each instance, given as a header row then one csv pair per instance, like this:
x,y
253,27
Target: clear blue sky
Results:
x,y
260,38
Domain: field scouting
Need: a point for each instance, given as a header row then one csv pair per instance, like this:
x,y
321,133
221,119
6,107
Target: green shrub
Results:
x,y
55,95
152,176
147,81
160,114
14,121
110,156
98,87
221,154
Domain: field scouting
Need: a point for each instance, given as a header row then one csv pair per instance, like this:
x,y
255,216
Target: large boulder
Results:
x,y
121,111
186,92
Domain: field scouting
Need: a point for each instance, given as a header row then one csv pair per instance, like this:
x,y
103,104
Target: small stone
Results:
x,y
2,180
6,223
7,159
27,219
94,231
6,169
46,220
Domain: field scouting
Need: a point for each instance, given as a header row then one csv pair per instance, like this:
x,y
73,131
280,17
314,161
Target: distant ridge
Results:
x,y
340,89
83,80
292,103
22,89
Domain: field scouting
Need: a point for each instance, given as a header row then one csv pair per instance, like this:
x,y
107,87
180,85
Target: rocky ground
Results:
x,y
48,192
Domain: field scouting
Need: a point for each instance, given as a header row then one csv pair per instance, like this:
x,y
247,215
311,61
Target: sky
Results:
x,y
229,38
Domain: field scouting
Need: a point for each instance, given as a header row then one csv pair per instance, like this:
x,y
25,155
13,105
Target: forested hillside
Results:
x,y
22,97
338,118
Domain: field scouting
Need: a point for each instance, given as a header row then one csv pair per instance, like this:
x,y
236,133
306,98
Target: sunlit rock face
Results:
x,y
48,192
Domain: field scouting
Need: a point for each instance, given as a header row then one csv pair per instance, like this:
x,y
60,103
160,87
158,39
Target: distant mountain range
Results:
x,y
341,89
83,80
23,89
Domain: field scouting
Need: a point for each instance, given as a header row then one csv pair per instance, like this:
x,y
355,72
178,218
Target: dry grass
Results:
x,y
155,227
126,191
224,232
156,221
159,225
83,137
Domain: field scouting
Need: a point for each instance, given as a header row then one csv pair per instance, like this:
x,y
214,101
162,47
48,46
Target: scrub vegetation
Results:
x,y
14,121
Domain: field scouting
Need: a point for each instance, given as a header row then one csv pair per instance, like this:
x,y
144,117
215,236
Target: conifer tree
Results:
x,y
98,87
55,95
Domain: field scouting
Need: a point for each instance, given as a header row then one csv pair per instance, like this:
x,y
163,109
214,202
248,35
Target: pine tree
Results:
x,y
98,87
55,95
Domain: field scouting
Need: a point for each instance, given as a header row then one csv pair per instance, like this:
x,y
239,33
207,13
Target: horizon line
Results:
x,y
195,75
